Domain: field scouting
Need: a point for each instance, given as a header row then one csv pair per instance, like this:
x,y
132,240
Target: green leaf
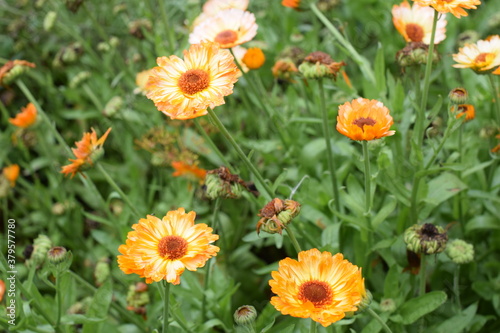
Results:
x,y
418,307
380,71
330,236
482,222
99,306
384,212
459,322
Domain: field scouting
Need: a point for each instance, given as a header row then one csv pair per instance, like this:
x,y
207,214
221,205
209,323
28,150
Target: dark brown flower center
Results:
x,y
172,247
317,292
193,81
414,32
226,37
361,122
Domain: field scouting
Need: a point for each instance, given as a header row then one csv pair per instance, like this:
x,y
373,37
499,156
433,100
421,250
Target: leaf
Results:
x,y
384,212
99,306
459,322
418,307
330,236
380,71
482,222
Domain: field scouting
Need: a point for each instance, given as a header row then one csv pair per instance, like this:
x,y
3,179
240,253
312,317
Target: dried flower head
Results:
x,y
318,65
317,286
425,239
482,57
184,89
161,249
220,183
87,152
456,7
364,119
276,215
13,69
415,53
284,69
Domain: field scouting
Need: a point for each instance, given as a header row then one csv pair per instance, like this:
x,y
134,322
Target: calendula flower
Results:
x,y
364,119
496,149
188,170
2,289
212,7
466,110
414,23
11,173
184,89
456,7
13,69
87,152
295,4
161,249
481,57
254,58
141,80
26,117
317,286
229,28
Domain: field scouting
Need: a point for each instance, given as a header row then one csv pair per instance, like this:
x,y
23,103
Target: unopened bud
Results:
x,y
244,317
56,255
102,271
387,305
41,245
460,252
49,20
415,53
458,96
114,105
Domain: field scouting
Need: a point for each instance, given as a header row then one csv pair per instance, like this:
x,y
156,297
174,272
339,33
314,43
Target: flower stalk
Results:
x,y
494,91
377,318
166,299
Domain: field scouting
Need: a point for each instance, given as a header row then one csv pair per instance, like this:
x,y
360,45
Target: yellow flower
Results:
x,y
184,89
188,170
161,249
317,286
480,57
229,28
26,117
254,58
364,119
11,173
415,23
456,7
87,151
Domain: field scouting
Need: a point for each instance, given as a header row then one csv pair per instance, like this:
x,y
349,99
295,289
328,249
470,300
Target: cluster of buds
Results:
x,y
138,298
220,183
276,215
415,53
460,252
244,317
318,65
425,239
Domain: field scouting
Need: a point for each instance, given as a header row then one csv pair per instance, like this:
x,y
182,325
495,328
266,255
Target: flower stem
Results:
x,y
421,289
58,299
241,154
212,144
326,134
361,61
118,189
446,135
166,299
377,318
456,287
368,179
495,97
294,241
419,126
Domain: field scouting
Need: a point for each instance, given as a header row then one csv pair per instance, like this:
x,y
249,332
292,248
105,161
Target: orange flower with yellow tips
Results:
x,y
161,249
456,7
87,151
11,173
188,170
364,119
26,117
184,89
317,286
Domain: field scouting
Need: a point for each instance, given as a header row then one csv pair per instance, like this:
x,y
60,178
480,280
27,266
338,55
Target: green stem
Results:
x,y
58,299
118,189
312,328
368,178
5,113
241,154
421,289
419,126
446,135
294,241
456,287
495,97
361,61
212,144
377,318
461,220
166,299
329,154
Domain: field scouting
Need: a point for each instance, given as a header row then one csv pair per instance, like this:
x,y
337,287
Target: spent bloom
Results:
x,y
26,117
320,286
465,110
88,150
13,69
184,89
229,28
482,57
456,7
161,249
364,119
414,23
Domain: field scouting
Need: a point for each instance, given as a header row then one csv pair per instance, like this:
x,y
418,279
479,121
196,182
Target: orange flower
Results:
x,y
2,289
317,286
26,117
11,173
466,110
87,151
189,170
496,149
184,89
229,28
12,69
254,58
415,23
481,57
456,7
161,249
364,119
291,3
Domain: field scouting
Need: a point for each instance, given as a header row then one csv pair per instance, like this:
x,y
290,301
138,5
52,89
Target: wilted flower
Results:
x,y
220,183
317,286
13,69
161,249
284,69
184,89
456,7
466,110
425,239
41,245
138,298
136,28
276,215
481,57
415,53
318,65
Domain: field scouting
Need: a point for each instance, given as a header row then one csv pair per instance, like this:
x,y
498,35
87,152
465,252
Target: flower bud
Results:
x,y
425,239
458,96
245,315
56,255
467,37
460,252
114,105
138,298
79,79
276,215
49,20
41,245
387,305
415,53
102,271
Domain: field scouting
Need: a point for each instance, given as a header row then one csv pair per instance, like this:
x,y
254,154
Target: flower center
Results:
x,y
317,292
415,32
226,37
172,247
361,122
483,58
193,81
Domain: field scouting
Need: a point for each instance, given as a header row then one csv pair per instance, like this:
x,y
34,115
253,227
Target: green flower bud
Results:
x,y
458,96
387,305
319,65
79,79
245,315
460,252
41,246
137,296
49,20
468,37
114,105
102,271
56,255
415,53
425,239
